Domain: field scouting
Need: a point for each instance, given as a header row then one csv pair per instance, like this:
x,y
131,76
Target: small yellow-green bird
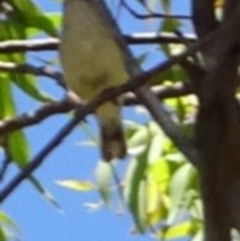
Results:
x,y
92,61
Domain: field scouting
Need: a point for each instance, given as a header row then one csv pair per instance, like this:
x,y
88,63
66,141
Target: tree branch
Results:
x,y
217,125
13,46
162,92
158,38
30,69
64,106
7,126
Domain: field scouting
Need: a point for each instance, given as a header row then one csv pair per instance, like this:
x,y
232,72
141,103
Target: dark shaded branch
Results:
x,y
217,125
229,8
204,17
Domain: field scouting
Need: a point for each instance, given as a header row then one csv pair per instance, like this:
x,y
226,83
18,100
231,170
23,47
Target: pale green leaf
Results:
x,y
179,184
156,143
103,175
139,137
198,236
133,187
161,172
181,230
77,185
6,220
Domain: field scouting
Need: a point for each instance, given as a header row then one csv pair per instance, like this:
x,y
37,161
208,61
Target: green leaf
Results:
x,y
10,30
157,201
19,148
18,145
6,220
103,175
28,84
198,236
77,185
161,172
2,235
156,143
142,217
184,229
166,5
7,106
29,15
17,141
55,18
179,184
8,228
139,137
134,187
170,25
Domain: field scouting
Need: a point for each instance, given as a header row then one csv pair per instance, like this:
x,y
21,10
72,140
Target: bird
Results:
x,y
92,61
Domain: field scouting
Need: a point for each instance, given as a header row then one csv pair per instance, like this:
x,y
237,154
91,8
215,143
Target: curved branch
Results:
x,y
64,106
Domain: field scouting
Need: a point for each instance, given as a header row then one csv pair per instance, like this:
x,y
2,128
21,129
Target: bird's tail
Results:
x,y
112,138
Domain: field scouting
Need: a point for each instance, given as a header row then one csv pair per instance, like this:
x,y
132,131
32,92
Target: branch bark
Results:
x,y
64,106
217,127
50,44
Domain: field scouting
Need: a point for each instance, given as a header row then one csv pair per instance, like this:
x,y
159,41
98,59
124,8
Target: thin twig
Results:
x,y
7,158
154,15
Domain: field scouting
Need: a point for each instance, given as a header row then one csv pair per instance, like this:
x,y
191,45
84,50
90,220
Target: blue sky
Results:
x,y
37,219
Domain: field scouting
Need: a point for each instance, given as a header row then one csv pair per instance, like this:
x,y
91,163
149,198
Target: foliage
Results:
x,y
158,186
